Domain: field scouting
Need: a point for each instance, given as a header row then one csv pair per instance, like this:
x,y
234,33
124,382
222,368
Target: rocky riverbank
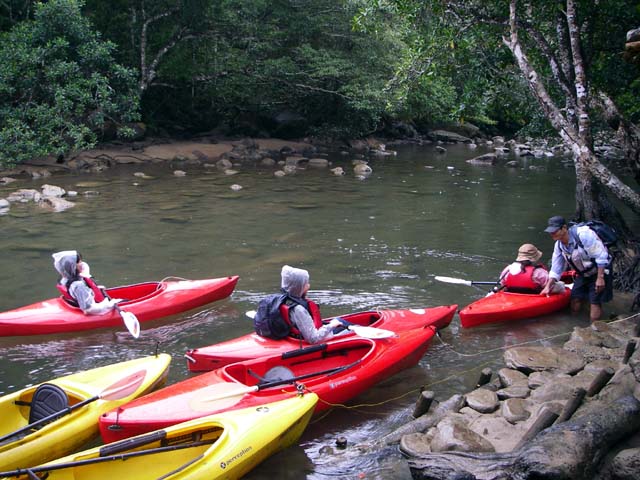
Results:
x,y
550,413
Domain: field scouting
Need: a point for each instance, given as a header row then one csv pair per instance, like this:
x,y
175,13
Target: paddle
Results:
x,y
460,281
372,333
122,388
274,383
88,461
130,321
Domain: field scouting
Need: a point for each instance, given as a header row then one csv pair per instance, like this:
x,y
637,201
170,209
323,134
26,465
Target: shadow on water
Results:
x,y
369,244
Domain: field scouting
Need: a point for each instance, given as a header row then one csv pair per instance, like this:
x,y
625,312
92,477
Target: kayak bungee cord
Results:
x,y
506,347
456,374
398,397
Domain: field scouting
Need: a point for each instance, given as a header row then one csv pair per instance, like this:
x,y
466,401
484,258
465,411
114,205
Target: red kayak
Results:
x,y
253,345
503,306
336,372
147,301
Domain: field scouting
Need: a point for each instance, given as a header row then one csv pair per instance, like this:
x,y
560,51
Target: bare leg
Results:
x,y
595,312
576,303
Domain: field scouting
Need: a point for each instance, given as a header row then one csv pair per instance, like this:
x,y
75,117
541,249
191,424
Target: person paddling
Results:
x,y
77,286
526,274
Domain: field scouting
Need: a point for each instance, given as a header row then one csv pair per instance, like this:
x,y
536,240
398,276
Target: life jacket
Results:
x,y
523,282
309,305
98,295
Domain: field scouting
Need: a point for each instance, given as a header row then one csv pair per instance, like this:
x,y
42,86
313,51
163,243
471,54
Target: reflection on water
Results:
x,y
368,244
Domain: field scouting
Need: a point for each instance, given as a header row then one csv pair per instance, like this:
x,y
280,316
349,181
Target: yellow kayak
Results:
x,y
222,446
53,419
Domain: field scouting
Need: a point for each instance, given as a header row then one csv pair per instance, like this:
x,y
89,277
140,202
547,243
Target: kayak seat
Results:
x,y
277,373
47,400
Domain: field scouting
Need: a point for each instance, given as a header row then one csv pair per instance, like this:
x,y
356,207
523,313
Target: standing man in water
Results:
x,y
582,250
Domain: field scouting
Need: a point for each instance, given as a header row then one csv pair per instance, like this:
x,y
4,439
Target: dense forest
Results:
x,y
287,68
74,72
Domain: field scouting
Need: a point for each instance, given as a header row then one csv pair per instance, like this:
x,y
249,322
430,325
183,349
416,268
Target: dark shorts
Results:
x,y
584,288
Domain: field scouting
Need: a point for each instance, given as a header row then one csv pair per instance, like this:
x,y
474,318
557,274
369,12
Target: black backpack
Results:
x,y
605,233
268,321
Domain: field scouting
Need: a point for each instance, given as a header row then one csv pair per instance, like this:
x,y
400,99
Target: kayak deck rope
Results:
x,y
506,347
457,374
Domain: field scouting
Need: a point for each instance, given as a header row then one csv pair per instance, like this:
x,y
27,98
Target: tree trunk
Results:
x,y
569,450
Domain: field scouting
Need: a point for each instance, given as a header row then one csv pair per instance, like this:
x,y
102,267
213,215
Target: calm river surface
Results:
x,y
373,243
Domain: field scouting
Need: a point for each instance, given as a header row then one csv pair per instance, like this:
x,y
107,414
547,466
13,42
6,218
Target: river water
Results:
x,y
368,243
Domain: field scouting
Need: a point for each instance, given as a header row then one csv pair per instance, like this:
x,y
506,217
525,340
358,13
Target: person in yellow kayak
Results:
x,y
76,285
527,274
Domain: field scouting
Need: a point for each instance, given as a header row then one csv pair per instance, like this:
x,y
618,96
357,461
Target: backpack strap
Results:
x,y
573,231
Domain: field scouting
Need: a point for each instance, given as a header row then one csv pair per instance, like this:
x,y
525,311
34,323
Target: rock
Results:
x,y
626,464
230,171
56,204
531,359
514,391
24,195
4,203
338,171
295,160
496,430
446,136
482,400
453,435
415,444
513,410
53,191
440,149
486,159
318,162
267,162
224,164
289,169
362,169
510,377
179,173
512,164
235,187
142,175
537,379
7,180
279,173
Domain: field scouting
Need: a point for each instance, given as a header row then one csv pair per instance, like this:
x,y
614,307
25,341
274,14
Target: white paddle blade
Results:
x,y
371,332
458,281
251,314
131,322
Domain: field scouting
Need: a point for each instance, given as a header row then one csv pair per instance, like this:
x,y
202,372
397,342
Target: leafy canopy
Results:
x,y
59,84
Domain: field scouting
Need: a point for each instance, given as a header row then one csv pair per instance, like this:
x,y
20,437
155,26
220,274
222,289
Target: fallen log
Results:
x,y
569,450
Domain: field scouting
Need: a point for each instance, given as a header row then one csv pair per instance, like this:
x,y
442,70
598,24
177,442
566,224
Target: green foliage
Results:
x,y
58,84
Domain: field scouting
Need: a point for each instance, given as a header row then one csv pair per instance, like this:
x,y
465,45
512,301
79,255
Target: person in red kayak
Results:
x,y
77,286
526,274
580,248
302,314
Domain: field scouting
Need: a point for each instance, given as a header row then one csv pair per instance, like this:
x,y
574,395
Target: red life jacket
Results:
x,y
311,307
523,282
98,295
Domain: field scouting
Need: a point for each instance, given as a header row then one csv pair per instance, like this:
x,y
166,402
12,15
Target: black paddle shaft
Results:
x,y
49,418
